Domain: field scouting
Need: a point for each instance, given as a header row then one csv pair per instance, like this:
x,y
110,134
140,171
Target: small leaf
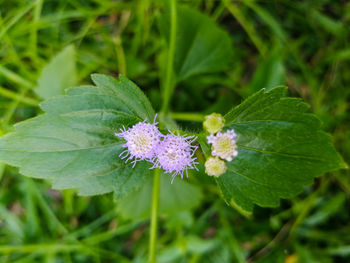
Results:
x,y
73,143
58,75
201,46
281,148
173,198
270,73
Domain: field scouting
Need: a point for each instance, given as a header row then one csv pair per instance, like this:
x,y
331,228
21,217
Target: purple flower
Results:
x,y
175,155
224,145
142,140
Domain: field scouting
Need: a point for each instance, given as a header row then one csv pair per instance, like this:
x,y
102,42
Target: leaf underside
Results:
x,y
73,143
281,149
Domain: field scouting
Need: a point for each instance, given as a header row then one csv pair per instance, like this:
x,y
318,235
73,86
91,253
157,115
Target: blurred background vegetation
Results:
x,y
48,45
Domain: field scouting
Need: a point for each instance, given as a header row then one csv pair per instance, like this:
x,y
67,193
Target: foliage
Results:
x,y
58,75
201,47
280,147
262,45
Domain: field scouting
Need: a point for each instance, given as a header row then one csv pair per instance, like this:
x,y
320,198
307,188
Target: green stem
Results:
x,y
168,82
119,43
39,247
12,95
184,116
12,108
154,216
247,26
15,78
34,27
121,55
167,91
16,18
233,242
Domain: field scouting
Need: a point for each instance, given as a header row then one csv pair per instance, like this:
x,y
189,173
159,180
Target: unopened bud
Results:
x,y
215,167
213,123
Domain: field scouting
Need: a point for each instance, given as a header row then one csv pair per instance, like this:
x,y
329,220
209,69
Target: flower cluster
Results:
x,y
223,146
172,153
175,154
142,141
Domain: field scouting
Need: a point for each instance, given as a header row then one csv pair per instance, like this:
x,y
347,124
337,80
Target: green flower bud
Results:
x,y
213,123
215,167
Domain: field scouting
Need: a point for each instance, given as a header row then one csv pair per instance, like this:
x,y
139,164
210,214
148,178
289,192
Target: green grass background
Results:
x,y
302,44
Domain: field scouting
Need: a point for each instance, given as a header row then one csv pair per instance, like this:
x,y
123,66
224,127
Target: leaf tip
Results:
x,y
95,75
282,88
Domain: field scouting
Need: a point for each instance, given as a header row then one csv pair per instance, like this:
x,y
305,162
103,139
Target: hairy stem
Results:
x,y
154,216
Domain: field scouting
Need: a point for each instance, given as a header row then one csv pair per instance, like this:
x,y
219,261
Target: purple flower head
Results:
x,y
142,139
175,154
224,145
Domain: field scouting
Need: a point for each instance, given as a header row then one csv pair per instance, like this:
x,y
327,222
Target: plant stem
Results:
x,y
119,43
34,27
247,26
121,56
184,116
12,95
167,92
168,82
154,216
12,76
16,18
232,240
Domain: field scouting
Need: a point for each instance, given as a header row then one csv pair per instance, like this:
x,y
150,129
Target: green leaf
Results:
x,y
281,148
58,75
127,92
331,25
73,143
270,73
326,209
201,46
172,198
268,19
